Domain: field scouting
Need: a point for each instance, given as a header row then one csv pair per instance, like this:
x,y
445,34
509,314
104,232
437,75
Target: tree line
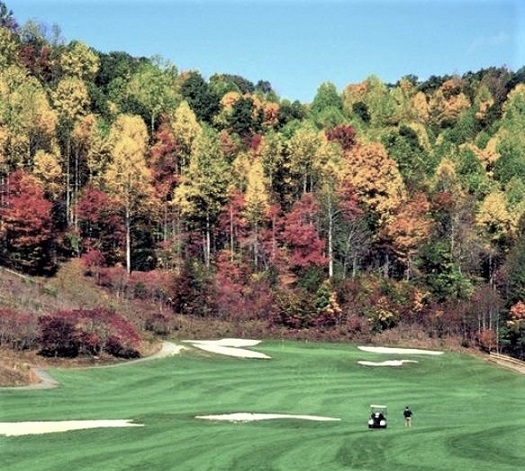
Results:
x,y
371,207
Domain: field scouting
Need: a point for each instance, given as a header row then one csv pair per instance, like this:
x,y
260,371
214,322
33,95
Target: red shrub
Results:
x,y
58,337
88,332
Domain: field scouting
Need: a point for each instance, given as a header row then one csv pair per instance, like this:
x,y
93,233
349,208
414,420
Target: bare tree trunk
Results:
x,y
207,250
178,230
330,238
231,233
77,190
68,181
256,247
128,240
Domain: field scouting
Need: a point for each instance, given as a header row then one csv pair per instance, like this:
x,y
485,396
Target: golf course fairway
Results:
x,y
469,414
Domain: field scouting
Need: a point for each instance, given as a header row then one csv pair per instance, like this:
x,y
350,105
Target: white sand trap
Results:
x,y
249,417
230,347
231,351
171,349
386,363
10,429
168,349
229,342
407,351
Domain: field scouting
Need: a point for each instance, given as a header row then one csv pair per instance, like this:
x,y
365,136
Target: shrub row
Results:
x,y
70,333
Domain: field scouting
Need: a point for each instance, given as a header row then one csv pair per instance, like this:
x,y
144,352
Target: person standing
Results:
x,y
407,414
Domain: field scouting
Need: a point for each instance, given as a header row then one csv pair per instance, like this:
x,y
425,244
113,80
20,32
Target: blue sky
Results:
x,y
298,44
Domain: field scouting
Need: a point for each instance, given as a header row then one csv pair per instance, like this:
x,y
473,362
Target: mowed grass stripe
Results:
x,y
469,414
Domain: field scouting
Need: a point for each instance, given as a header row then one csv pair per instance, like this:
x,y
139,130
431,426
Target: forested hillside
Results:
x,y
374,207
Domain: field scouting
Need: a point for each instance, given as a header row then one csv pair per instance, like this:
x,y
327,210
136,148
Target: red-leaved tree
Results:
x,y
27,241
344,134
239,295
101,227
301,235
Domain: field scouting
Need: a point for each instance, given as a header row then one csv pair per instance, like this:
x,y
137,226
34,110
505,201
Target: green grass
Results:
x,y
468,415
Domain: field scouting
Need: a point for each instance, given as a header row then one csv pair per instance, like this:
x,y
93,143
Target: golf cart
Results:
x,y
377,416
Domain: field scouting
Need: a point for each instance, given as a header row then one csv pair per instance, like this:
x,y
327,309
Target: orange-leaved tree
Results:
x,y
408,229
376,179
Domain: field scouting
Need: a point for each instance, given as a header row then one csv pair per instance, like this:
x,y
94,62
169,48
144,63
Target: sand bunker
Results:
x,y
404,351
168,349
37,428
386,363
229,342
249,417
230,347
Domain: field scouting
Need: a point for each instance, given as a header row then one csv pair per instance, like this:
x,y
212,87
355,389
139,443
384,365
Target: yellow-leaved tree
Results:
x,y
29,122
420,107
8,48
303,149
257,202
91,148
203,189
127,177
495,219
329,167
79,61
48,171
272,159
71,100
185,129
496,225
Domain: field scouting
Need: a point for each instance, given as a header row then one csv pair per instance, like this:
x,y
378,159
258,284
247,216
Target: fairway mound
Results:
x,y
11,429
230,347
403,351
43,380
385,363
249,417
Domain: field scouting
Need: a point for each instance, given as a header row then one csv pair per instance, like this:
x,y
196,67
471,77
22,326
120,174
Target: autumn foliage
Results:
x,y
87,332
375,207
26,231
301,236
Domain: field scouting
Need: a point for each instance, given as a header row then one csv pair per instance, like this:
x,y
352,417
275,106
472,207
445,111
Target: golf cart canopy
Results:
x,y
377,416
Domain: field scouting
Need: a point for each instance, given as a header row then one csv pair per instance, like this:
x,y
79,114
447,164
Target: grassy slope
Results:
x,y
67,290
468,414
